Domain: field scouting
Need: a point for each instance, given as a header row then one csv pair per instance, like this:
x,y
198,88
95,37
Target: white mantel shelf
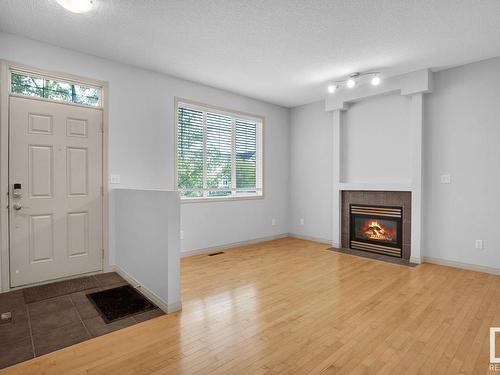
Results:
x,y
380,186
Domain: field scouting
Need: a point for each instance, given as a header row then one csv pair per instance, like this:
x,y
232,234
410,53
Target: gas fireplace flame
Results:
x,y
377,232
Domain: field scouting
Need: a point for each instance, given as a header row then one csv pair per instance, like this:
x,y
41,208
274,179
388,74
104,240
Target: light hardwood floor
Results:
x,y
291,307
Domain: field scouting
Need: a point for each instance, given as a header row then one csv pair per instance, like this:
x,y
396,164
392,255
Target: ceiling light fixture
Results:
x,y
352,80
77,6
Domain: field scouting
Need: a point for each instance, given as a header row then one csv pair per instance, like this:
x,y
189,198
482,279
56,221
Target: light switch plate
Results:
x,y
479,244
114,179
445,179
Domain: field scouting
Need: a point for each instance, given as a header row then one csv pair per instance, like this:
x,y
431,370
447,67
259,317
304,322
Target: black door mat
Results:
x,y
59,288
118,303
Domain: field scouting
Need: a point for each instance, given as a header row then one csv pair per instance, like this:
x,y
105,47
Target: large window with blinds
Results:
x,y
219,153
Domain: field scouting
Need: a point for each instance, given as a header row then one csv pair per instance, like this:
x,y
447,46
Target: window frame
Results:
x,y
227,112
58,78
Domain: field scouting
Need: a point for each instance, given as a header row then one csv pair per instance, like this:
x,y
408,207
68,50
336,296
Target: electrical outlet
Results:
x,y
273,222
479,244
445,179
182,234
301,221
114,179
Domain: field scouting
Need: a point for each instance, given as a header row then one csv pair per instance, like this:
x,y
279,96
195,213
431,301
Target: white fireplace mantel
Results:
x,y
413,85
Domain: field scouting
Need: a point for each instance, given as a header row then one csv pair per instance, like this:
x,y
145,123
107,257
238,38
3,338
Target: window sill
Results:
x,y
221,199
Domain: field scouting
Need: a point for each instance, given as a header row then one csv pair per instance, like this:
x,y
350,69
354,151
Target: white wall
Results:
x,y
147,236
311,181
461,138
141,147
376,140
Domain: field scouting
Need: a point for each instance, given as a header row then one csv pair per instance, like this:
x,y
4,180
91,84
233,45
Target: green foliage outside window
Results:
x,y
55,90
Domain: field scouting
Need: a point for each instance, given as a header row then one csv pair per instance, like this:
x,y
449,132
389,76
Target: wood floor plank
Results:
x,y
290,306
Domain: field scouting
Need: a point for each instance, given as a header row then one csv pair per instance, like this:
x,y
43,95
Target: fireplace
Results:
x,y
376,229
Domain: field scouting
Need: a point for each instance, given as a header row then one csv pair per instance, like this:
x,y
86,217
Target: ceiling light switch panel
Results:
x,y
114,179
445,179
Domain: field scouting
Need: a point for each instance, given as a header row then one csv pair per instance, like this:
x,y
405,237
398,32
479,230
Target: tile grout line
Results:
x,y
31,330
80,317
97,281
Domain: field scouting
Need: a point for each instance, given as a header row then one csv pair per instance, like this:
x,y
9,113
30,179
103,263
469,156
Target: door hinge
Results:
x,y
102,254
102,127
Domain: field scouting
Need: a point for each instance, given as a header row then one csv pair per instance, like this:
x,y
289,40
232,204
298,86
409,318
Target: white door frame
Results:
x,y
5,68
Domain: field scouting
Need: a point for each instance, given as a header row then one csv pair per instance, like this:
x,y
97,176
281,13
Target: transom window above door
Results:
x,y
27,84
219,153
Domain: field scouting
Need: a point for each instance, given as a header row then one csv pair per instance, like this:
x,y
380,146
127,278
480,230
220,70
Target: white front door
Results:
x,y
55,164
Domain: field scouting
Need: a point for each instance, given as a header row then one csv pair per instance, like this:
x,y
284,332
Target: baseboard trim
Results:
x,y
310,238
214,249
166,307
465,266
416,260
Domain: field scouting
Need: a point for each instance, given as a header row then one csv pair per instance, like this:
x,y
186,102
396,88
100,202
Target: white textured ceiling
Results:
x,y
281,51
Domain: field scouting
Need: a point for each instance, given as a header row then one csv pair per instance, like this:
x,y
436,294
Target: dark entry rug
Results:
x,y
118,303
60,288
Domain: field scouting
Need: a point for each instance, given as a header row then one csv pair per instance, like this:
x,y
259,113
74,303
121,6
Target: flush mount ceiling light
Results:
x,y
353,79
77,6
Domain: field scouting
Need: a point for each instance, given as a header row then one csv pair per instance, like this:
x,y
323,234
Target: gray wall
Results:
x,y
373,132
461,138
311,181
141,145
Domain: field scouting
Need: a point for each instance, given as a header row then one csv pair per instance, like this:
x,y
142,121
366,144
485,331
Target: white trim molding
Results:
x,y
461,265
213,249
310,238
413,85
166,307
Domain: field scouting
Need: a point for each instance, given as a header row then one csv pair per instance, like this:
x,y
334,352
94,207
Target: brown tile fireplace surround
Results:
x,y
389,233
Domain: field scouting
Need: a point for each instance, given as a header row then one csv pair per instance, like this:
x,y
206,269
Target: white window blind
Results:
x,y
219,153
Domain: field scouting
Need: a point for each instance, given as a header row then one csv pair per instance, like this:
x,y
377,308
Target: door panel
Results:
x,y
41,235
41,160
56,225
78,233
76,163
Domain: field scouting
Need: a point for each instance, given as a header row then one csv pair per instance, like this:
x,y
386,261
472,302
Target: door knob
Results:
x,y
17,206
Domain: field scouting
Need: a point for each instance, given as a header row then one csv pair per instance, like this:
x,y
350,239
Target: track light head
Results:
x,y
375,81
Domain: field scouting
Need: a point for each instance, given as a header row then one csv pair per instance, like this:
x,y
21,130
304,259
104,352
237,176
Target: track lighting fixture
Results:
x,y
352,80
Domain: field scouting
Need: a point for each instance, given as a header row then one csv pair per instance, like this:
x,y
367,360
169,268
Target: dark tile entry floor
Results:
x,y
42,327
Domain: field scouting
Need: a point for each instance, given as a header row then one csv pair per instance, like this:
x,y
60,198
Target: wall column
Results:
x,y
417,122
337,175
